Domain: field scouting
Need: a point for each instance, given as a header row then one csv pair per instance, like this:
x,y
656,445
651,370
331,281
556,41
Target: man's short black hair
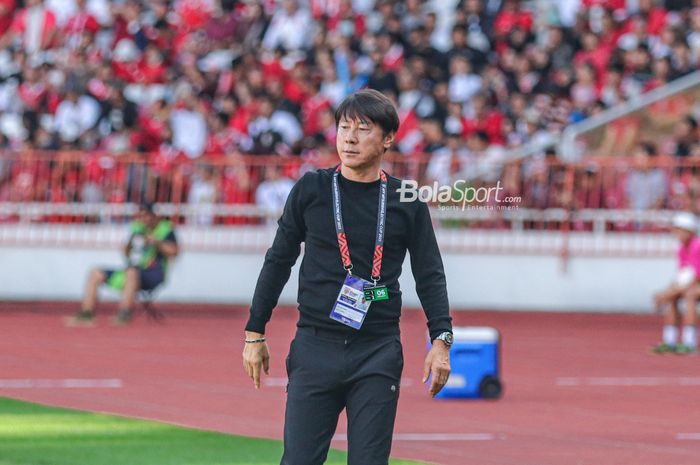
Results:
x,y
483,136
649,148
369,105
146,207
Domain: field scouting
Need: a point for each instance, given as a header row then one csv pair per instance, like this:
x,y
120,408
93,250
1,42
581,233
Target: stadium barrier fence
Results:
x,y
81,199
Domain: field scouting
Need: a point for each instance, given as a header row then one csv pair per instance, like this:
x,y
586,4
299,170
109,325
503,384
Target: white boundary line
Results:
x,y
433,437
68,383
688,436
630,381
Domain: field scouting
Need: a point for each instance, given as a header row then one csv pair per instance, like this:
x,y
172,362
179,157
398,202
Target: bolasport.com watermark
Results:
x,y
459,195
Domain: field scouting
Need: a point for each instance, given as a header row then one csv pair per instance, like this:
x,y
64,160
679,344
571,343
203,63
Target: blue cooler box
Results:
x,y
475,360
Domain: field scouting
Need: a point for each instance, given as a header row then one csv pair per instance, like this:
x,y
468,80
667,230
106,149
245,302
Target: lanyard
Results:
x,y
381,221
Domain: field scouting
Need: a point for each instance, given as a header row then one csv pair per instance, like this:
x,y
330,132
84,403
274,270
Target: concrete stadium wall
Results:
x,y
516,281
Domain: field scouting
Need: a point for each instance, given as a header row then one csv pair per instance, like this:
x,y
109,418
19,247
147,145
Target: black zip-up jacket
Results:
x,y
308,218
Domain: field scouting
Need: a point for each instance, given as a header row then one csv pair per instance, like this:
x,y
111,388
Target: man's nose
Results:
x,y
351,136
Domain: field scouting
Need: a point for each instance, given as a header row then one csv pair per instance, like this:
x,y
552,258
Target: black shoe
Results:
x,y
82,318
123,317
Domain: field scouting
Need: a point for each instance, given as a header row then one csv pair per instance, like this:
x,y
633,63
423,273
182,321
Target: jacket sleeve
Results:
x,y
279,259
429,273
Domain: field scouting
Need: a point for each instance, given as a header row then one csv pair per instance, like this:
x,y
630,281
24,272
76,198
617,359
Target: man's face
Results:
x,y
147,218
360,143
290,6
431,131
641,160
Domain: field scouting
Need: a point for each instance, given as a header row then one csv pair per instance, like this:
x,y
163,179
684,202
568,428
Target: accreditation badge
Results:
x,y
373,293
351,306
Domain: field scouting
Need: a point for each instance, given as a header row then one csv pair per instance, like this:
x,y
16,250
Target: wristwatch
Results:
x,y
446,337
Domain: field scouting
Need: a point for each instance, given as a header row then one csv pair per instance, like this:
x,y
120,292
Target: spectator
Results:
x,y
560,51
224,23
222,139
35,27
79,24
236,184
62,9
515,72
7,11
289,27
150,247
272,193
189,126
75,115
685,136
584,92
203,194
477,24
440,163
463,83
489,158
646,185
481,117
274,130
686,287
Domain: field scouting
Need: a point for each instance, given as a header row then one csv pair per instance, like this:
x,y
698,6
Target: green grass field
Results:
x,y
35,435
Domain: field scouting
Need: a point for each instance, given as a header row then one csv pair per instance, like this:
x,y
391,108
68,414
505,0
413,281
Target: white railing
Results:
x,y
549,232
34,212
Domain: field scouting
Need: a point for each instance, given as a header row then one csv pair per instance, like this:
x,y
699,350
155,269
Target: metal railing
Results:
x,y
595,194
587,136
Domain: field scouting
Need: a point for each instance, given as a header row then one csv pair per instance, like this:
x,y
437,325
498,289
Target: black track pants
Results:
x,y
328,372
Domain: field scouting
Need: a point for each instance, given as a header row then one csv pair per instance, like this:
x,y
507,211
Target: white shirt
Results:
x,y
490,163
439,166
272,195
189,132
63,9
292,32
73,119
463,87
203,194
68,122
34,22
445,12
101,10
363,6
333,91
567,11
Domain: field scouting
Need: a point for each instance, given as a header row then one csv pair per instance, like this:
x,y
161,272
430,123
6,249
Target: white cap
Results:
x,y
686,221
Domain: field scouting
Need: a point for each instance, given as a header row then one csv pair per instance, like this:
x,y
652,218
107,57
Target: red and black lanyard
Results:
x,y
381,222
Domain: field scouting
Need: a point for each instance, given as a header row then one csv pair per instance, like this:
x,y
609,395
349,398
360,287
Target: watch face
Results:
x,y
448,338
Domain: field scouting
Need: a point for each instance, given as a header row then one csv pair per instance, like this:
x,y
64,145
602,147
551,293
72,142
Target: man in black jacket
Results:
x,y
347,351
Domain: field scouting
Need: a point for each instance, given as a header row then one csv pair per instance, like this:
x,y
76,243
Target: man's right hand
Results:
x,y
256,357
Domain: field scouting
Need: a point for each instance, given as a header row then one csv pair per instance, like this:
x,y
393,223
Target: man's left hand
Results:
x,y
437,364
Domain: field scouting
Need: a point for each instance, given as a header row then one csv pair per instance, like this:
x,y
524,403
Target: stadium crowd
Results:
x,y
183,81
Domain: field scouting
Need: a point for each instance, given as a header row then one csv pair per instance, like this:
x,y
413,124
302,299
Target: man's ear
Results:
x,y
389,140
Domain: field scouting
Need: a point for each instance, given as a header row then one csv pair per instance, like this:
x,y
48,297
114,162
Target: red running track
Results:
x,y
580,388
